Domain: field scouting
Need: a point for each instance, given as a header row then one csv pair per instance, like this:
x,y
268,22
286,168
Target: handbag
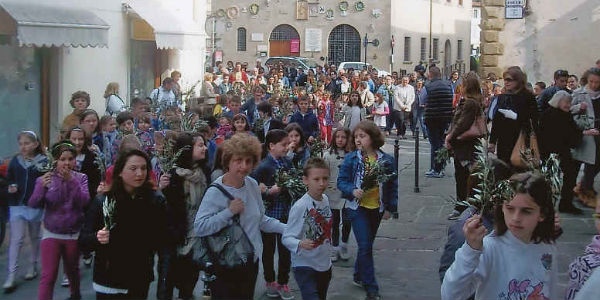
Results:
x,y
521,146
477,129
229,247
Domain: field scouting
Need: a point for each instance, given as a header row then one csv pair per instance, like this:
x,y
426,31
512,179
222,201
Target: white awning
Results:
x,y
47,26
170,32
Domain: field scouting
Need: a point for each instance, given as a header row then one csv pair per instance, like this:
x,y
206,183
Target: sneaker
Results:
x,y
87,260
285,293
65,281
357,283
454,215
429,173
436,175
31,273
9,285
272,289
334,254
373,296
344,255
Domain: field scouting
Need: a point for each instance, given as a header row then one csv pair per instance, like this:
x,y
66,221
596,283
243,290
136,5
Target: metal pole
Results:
x,y
366,42
396,161
417,190
392,63
430,32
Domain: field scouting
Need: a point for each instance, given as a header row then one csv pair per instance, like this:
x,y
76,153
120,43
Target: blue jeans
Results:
x,y
312,283
418,119
365,223
436,130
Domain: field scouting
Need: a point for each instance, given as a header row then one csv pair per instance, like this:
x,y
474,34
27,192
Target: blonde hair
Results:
x,y
208,77
111,89
243,145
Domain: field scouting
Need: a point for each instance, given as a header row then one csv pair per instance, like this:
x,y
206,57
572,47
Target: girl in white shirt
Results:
x,y
380,111
518,259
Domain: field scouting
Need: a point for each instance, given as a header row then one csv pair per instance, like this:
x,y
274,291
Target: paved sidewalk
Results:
x,y
407,250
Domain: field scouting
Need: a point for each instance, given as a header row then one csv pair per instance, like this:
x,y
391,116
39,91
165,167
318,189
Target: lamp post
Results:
x,y
366,42
430,32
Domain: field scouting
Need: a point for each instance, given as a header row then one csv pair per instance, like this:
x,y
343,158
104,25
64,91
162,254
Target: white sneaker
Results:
x,y
9,284
334,254
65,281
31,273
344,255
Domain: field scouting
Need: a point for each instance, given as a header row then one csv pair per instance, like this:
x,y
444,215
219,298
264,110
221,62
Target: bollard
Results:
x,y
417,190
396,160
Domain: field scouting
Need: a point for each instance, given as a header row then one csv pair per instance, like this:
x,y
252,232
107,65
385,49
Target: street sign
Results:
x,y
514,12
515,2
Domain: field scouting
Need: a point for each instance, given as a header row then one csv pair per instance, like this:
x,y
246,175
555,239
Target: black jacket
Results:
x,y
127,260
505,132
558,133
89,168
439,101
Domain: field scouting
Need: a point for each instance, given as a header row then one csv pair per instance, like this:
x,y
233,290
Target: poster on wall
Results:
x,y
295,45
313,40
301,10
313,10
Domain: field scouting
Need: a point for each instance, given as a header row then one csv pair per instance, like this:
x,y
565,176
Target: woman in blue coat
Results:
x,y
367,207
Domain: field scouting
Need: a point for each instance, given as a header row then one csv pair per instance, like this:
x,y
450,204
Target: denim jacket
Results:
x,y
349,169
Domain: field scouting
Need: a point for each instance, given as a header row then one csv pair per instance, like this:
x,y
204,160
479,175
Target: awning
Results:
x,y
47,26
170,32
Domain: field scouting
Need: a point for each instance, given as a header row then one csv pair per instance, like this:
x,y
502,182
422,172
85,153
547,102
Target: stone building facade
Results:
x,y
552,35
333,31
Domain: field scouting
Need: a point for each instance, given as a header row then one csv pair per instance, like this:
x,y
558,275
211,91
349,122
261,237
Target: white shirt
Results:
x,y
114,105
506,268
380,108
163,96
404,96
318,258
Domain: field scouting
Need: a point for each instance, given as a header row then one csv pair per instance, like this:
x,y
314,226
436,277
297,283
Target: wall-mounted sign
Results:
x,y
295,45
514,9
258,37
313,40
262,48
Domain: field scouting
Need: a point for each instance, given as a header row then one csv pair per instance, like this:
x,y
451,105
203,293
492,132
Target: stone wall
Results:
x,y
492,23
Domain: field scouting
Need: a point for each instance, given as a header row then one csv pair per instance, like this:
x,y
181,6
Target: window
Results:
x,y
475,13
407,48
435,50
423,49
241,39
459,49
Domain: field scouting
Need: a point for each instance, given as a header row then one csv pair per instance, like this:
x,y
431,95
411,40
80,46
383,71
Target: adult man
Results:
x,y
238,75
249,107
420,70
404,96
163,96
366,97
387,90
561,78
265,110
330,86
438,114
301,78
454,80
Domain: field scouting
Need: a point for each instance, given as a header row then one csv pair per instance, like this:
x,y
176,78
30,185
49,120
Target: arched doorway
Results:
x,y
344,44
284,41
447,58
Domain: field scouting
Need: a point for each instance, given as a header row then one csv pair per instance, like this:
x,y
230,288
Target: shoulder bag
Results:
x,y
229,247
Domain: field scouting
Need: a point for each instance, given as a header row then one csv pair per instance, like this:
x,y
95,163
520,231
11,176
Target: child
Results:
x,y
380,111
298,153
90,122
354,111
308,233
582,267
63,194
518,259
224,129
235,105
144,132
22,172
109,132
326,116
334,157
240,125
221,106
306,119
367,202
278,207
265,113
125,126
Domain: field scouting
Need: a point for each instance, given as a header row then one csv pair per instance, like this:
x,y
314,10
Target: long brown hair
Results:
x,y
472,87
518,76
117,187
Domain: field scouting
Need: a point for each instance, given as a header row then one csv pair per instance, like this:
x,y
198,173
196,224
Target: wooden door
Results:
x,y
279,48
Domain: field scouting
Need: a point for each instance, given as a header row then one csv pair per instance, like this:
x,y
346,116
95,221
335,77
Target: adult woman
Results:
x,y
183,187
516,112
572,82
208,90
80,101
123,267
558,134
84,158
63,194
241,154
586,104
114,103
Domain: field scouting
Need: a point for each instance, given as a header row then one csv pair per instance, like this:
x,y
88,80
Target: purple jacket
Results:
x,y
63,201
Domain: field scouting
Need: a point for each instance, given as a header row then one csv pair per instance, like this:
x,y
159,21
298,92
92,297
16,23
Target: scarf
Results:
x,y
194,186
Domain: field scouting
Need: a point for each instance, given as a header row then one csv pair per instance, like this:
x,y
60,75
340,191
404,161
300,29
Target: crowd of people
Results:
x,y
292,159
